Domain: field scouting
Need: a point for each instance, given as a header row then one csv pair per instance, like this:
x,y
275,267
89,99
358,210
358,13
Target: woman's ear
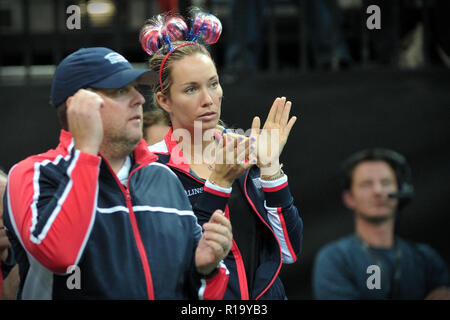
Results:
x,y
163,101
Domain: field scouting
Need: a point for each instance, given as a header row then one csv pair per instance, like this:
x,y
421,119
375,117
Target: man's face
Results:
x,y
122,115
372,182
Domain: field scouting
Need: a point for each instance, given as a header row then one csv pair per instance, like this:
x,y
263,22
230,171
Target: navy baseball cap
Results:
x,y
98,68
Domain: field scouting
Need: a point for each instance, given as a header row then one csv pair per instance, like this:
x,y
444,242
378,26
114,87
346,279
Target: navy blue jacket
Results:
x,y
78,233
344,270
271,202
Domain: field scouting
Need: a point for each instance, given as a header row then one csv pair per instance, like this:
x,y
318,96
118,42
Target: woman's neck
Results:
x,y
197,145
202,152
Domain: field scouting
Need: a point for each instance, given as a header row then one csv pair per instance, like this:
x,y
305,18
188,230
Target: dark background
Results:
x,y
340,112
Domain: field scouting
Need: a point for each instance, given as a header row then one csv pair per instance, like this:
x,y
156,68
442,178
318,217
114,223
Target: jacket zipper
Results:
x,y
140,245
279,246
242,275
134,227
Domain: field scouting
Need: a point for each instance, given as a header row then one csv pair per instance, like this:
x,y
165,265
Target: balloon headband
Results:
x,y
161,31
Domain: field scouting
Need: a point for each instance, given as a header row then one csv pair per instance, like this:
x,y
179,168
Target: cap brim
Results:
x,y
122,78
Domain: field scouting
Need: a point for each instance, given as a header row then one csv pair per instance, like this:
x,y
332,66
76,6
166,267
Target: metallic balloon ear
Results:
x,y
151,36
174,28
160,31
206,27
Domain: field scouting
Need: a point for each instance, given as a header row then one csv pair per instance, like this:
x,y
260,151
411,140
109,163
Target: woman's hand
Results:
x,y
269,142
231,159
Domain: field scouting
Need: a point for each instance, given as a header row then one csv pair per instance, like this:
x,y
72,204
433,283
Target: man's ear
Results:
x,y
68,101
347,198
163,101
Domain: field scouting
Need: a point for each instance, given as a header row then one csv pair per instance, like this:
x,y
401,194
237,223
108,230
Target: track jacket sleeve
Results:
x,y
284,217
51,204
213,198
210,287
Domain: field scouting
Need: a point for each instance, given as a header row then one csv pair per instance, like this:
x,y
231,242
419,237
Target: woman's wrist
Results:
x,y
270,169
219,181
273,172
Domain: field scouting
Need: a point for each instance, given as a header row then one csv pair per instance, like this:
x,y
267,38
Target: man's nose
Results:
x,y
138,98
377,188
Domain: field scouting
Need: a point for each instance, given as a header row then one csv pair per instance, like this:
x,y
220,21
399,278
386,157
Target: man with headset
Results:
x,y
374,263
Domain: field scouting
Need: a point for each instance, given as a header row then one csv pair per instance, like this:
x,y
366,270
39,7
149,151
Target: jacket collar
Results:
x,y
65,141
177,159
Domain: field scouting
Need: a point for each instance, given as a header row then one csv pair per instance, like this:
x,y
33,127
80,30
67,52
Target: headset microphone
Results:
x,y
401,195
405,193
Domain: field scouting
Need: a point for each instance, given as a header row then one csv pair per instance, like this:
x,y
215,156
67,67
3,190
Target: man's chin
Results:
x,y
135,137
130,141
376,219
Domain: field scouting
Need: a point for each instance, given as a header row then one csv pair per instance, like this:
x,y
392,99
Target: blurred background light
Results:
x,y
101,12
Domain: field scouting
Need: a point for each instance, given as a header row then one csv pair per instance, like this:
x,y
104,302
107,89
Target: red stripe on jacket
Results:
x,y
286,235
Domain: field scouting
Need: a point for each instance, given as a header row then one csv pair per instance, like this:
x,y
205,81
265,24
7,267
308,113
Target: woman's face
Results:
x,y
195,94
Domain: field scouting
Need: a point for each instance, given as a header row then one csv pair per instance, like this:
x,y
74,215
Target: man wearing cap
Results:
x,y
98,217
